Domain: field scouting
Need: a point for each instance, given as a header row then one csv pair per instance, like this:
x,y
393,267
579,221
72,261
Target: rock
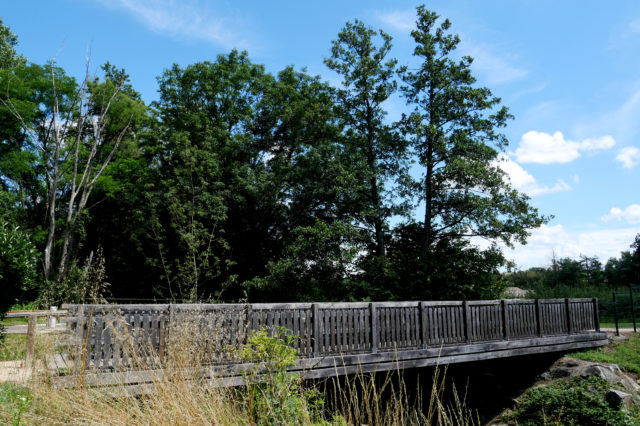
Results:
x,y
618,399
560,372
614,368
617,339
546,376
602,372
629,384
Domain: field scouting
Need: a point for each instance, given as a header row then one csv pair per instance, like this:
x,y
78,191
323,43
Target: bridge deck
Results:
x,y
334,338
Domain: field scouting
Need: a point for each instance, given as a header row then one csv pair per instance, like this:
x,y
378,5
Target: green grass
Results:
x,y
13,347
21,321
625,353
620,324
14,401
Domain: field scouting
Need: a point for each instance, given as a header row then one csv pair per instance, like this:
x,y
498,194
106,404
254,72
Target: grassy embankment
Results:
x,y
580,400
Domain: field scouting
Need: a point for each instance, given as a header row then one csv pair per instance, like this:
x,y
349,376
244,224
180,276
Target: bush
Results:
x,y
576,402
274,395
18,260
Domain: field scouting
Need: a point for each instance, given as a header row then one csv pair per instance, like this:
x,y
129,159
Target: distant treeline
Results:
x,y
582,277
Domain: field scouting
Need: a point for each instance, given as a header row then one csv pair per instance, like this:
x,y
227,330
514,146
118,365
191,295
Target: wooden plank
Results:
x,y
316,329
31,340
568,312
468,325
373,314
505,319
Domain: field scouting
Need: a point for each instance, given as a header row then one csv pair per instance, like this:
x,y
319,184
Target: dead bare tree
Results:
x,y
70,144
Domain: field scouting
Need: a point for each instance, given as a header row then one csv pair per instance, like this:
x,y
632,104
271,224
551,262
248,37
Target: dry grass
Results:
x,y
183,397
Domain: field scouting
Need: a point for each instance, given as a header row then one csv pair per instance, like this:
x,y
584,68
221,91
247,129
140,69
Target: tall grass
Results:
x,y
179,394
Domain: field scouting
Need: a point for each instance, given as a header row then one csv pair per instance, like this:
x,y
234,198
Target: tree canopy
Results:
x,y
241,184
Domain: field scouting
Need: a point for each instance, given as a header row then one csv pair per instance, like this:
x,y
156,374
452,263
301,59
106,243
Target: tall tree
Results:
x,y
454,133
71,132
367,82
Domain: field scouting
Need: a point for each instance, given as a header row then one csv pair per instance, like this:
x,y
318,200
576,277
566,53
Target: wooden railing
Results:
x,y
325,329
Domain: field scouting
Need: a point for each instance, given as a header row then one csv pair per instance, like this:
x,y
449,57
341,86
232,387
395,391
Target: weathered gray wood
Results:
x,y
468,325
31,340
505,319
568,312
373,314
333,329
596,314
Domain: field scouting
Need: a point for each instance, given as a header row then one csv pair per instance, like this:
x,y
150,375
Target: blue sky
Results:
x,y
569,72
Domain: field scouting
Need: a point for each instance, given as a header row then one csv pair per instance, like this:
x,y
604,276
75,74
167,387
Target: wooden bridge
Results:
x,y
334,338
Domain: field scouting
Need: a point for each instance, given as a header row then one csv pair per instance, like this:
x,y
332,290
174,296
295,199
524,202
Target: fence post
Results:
x,y
596,314
467,321
31,340
567,305
538,318
423,325
374,327
633,311
505,319
316,330
615,314
51,318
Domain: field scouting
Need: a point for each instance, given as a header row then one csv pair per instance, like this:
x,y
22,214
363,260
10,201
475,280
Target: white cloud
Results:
x,y
524,181
543,148
187,18
596,144
399,20
629,157
496,67
631,214
548,241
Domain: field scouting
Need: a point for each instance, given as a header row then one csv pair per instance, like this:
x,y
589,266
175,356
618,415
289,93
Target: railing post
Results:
x,y
633,310
538,318
423,325
615,314
51,319
467,321
374,327
568,309
316,330
31,339
596,314
505,319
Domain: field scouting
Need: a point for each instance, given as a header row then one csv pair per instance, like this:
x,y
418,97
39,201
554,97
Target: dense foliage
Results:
x,y
240,184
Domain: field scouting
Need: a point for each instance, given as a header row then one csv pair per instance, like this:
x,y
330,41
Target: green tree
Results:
x,y
9,58
376,153
453,131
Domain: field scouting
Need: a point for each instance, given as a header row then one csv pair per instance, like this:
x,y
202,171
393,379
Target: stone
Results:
x,y
602,372
618,399
545,376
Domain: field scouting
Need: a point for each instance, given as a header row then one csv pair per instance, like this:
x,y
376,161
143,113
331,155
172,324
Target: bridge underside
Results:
x,y
366,363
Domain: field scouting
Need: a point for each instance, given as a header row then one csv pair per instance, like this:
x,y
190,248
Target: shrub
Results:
x,y
576,402
18,260
274,395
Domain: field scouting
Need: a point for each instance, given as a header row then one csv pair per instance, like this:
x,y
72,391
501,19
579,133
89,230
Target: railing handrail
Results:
x,y
36,313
